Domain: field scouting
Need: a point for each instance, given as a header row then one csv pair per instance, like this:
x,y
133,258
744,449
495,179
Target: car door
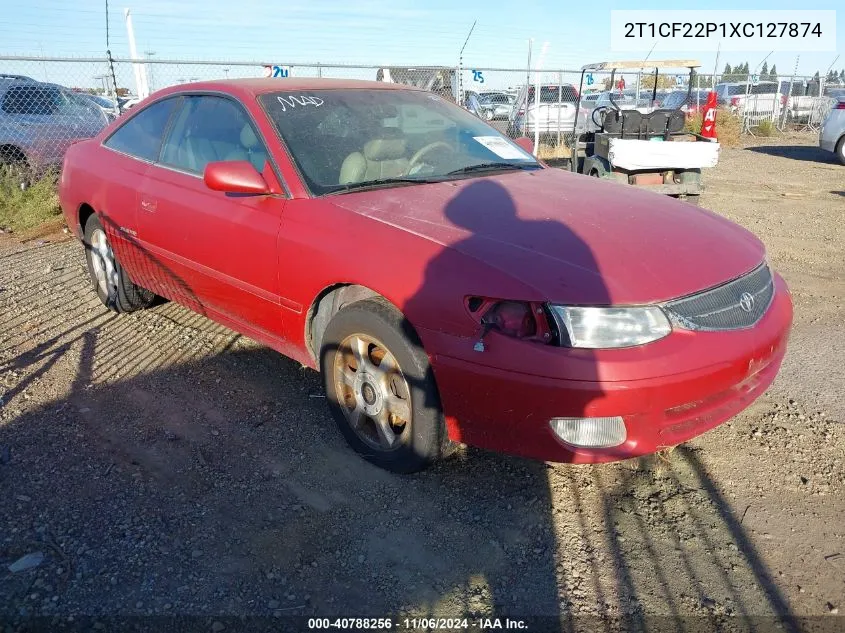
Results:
x,y
131,149
212,251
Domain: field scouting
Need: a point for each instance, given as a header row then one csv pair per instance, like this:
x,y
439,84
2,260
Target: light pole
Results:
x,y
226,71
149,55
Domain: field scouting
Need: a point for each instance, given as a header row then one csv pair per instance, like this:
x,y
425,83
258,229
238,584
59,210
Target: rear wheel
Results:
x,y
840,150
380,388
13,164
111,283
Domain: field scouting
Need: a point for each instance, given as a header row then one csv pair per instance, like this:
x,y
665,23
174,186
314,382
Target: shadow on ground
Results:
x,y
807,153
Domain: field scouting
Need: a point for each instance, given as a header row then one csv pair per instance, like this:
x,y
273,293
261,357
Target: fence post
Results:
x,y
560,104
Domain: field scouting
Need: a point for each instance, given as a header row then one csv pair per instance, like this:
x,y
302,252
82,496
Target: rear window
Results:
x,y
553,94
764,89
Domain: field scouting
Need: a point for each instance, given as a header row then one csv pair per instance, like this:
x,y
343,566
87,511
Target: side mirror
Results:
x,y
234,176
525,143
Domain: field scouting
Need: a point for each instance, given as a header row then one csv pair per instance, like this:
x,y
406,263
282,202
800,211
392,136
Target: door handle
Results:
x,y
148,205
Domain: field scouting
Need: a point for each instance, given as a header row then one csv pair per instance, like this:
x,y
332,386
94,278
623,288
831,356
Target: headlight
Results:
x,y
600,328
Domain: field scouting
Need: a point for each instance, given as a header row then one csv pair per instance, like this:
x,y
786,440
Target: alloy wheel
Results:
x,y
372,392
103,264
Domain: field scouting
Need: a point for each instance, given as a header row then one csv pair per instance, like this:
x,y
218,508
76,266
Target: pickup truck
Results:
x,y
801,100
554,113
755,102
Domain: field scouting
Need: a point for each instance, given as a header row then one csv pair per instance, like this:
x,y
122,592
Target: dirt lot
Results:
x,y
164,465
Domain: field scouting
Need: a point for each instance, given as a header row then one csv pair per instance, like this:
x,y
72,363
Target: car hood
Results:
x,y
572,238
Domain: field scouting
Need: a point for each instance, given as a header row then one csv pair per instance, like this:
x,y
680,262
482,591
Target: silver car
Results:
x,y
832,136
39,121
495,105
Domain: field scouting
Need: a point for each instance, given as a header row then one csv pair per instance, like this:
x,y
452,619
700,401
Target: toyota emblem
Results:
x,y
746,301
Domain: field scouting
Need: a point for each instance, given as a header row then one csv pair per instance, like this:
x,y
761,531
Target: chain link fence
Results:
x,y
46,104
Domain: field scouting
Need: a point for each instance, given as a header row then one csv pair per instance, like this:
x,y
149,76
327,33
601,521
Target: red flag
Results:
x,y
708,118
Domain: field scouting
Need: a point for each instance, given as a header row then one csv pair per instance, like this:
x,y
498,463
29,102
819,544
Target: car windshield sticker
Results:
x,y
292,101
500,147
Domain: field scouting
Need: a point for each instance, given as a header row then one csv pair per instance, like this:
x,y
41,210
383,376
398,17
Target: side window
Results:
x,y
208,129
141,135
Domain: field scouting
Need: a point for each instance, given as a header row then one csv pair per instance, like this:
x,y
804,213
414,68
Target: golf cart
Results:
x,y
643,146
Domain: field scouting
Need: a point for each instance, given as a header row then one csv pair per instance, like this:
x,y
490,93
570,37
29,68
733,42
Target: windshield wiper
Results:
x,y
493,166
380,182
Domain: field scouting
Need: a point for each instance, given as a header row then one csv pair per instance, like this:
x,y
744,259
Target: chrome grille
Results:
x,y
725,307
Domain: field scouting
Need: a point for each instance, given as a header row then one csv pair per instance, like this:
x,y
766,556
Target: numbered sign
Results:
x,y
277,71
755,79
478,76
590,79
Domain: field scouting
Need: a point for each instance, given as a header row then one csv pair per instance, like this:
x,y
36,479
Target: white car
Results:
x,y
832,135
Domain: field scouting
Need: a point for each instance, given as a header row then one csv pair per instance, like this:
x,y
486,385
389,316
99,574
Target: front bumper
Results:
x,y
667,392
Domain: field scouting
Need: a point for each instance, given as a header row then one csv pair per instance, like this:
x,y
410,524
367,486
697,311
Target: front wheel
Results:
x,y
380,387
111,283
840,150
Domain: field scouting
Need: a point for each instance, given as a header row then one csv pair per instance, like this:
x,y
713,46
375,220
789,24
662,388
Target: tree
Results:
x,y
773,73
727,72
764,71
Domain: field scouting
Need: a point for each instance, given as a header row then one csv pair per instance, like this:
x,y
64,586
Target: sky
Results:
x,y
380,32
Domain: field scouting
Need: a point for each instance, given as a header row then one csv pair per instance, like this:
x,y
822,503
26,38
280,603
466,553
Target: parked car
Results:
x,y
799,98
554,113
39,121
832,134
126,103
106,105
447,285
495,105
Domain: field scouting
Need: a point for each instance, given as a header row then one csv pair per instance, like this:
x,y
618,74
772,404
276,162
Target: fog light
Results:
x,y
590,432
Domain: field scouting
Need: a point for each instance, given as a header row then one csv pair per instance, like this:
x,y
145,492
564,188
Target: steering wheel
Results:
x,y
417,157
593,115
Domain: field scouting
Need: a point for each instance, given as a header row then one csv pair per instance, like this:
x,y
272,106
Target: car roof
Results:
x,y
263,85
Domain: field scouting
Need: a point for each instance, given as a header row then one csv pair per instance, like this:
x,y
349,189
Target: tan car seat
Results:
x,y
382,157
251,149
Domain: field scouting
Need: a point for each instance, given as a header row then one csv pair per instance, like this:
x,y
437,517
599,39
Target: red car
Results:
x,y
449,287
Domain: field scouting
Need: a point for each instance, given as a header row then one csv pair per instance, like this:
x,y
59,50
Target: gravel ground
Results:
x,y
158,463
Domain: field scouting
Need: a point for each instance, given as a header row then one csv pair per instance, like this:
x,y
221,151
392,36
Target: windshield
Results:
x,y
345,139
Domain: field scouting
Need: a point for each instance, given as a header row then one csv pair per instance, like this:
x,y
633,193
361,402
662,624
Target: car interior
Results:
x,y
211,129
381,146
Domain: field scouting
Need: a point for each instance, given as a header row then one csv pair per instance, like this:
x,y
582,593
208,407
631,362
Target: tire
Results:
x,y
108,278
392,417
14,164
840,150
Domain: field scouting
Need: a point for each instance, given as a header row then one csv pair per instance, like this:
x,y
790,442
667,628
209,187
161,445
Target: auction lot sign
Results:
x,y
796,31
